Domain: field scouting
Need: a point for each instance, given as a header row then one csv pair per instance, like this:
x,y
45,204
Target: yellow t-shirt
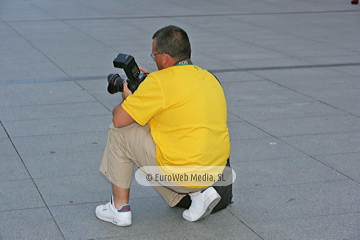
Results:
x,y
185,108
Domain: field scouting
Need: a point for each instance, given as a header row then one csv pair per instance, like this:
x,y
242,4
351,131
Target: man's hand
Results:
x,y
144,70
126,92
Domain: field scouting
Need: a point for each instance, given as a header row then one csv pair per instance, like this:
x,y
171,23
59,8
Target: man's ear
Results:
x,y
168,61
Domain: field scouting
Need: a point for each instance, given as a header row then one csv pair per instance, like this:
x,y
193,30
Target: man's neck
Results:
x,y
183,62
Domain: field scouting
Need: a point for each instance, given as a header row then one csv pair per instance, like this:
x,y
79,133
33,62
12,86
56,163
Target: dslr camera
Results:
x,y
132,71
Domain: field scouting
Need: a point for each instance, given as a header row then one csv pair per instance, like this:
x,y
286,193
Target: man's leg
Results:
x,y
118,168
120,196
203,200
126,147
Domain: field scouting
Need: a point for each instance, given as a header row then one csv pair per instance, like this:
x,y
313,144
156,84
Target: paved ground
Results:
x,y
290,70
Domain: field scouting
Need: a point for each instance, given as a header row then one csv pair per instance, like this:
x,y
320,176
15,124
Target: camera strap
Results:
x,y
183,62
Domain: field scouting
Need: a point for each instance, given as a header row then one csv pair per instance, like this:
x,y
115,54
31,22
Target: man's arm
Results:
x,y
120,117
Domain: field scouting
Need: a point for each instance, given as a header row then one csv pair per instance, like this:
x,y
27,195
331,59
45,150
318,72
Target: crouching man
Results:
x,y
177,117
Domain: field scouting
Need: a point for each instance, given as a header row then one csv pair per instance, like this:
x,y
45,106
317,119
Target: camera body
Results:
x,y
132,71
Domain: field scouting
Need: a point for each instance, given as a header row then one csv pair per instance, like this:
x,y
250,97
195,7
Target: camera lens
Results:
x,y
115,83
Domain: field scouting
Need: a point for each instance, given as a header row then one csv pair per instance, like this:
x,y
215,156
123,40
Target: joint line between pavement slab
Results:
x,y
213,71
190,15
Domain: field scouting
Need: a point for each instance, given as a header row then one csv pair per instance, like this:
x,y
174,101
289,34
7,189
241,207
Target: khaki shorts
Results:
x,y
130,146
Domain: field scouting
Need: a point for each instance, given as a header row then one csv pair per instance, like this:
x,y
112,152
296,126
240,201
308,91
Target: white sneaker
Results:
x,y
108,212
202,203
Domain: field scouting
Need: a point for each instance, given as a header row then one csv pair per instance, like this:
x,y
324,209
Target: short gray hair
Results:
x,y
174,41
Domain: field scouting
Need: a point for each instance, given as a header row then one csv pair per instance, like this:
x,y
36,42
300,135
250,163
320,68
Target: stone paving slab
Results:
x,y
50,165
332,227
37,127
7,148
12,168
244,130
63,143
42,93
285,171
261,149
85,226
304,79
19,194
2,132
249,64
230,231
71,190
327,143
235,88
52,111
346,163
266,204
288,110
267,98
309,125
350,70
32,223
